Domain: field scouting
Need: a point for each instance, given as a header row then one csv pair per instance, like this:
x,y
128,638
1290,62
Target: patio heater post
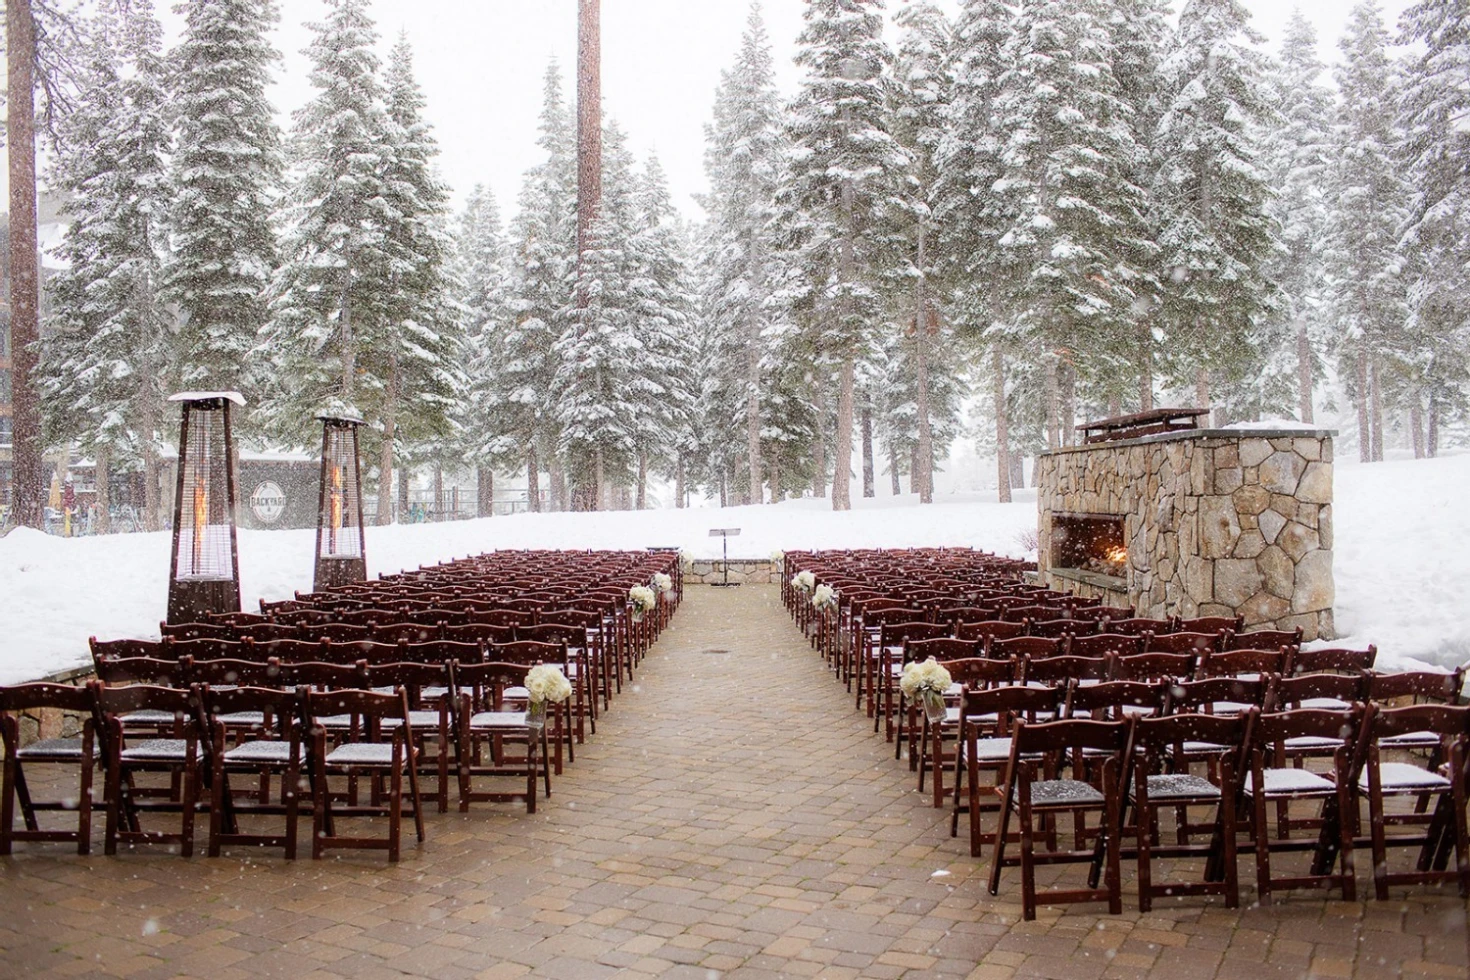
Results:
x,y
341,542
204,566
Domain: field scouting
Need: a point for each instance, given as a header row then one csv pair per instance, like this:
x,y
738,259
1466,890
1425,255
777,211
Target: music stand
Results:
x,y
726,533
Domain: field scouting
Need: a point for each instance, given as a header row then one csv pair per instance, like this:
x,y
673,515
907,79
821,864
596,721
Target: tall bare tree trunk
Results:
x,y
842,452
753,405
819,447
1146,369
1304,373
484,492
438,492
923,478
1018,471
1053,406
533,480
775,474
405,478
1115,405
558,476
867,451
679,483
1365,436
724,487
27,468
1416,426
599,493
1431,437
1067,380
893,471
385,450
1375,404
642,503
1202,387
152,499
102,483
1002,424
589,168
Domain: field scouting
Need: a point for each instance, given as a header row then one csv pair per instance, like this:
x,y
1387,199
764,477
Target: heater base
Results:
x,y
193,600
332,572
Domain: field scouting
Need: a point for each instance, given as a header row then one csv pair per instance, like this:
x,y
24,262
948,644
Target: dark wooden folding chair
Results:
x,y
1209,624
989,629
1062,627
984,745
892,638
180,757
1198,644
1263,640
1102,644
1334,660
1025,646
1037,794
486,716
433,718
383,748
77,752
1139,626
276,751
1152,667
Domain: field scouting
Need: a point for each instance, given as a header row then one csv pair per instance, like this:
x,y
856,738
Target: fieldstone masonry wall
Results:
x,y
1218,522
756,571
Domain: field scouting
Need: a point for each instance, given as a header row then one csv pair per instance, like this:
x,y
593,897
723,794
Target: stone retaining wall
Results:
x,y
756,571
1217,522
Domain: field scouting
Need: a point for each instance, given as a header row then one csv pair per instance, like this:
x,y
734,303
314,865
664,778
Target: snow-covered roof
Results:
x,y
202,396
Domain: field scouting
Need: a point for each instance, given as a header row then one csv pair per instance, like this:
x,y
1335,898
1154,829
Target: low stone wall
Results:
x,y
756,571
1217,522
51,722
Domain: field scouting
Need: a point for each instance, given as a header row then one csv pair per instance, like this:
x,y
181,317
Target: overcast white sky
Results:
x,y
481,62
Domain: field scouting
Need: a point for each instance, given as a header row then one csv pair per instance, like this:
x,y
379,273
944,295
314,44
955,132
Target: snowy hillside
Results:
x,y
1397,583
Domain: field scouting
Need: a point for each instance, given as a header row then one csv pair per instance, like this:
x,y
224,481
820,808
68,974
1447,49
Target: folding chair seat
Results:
x,y
77,751
179,756
486,716
1153,787
1040,800
985,719
384,748
1332,793
276,751
1445,830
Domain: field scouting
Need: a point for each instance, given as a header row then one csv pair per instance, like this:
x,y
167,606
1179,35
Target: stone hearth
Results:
x,y
1216,522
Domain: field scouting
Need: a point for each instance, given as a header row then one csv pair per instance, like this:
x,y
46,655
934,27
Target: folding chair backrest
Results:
x,y
1263,639
940,648
1210,624
203,648
978,673
1062,627
324,676
1451,722
1423,686
145,697
286,651
1025,646
1101,644
199,631
1152,666
1182,642
282,705
413,677
1060,736
1023,702
1284,693
1233,662
368,705
404,632
443,651
895,634
246,673
983,629
480,632
117,649
572,636
1191,696
363,650
1334,658
1165,731
141,670
1138,626
42,694
1309,722
492,676
1106,700
1049,670
528,652
338,632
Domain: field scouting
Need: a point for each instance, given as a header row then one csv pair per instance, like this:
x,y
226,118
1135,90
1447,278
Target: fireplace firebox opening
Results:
x,y
1093,543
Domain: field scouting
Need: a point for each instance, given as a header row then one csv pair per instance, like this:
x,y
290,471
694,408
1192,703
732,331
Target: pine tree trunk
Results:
x,y
1115,405
679,483
1375,400
1067,378
1202,387
385,451
438,492
1053,407
1002,424
775,474
1146,369
1431,437
913,465
484,492
589,127
867,451
1365,437
642,503
152,499
893,476
405,478
724,488
1304,373
349,350
924,476
558,476
819,447
1416,426
27,468
842,451
533,480
599,488
753,406
1018,471
102,484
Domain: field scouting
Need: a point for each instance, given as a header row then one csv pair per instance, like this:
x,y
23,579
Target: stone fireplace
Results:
x,y
1194,522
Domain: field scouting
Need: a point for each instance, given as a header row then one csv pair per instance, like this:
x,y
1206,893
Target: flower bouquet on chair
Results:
x,y
824,598
546,684
643,600
662,582
805,581
926,683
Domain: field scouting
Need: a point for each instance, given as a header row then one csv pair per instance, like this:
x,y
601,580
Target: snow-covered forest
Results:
x,y
988,226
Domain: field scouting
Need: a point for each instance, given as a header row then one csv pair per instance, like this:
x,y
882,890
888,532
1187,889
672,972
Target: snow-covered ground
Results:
x,y
1402,563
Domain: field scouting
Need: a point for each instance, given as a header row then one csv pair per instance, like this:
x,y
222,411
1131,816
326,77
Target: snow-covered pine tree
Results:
x,y
1076,243
483,272
1297,158
600,345
226,170
664,385
102,377
1370,202
426,341
846,174
742,160
1434,104
328,333
543,247
920,96
1215,236
965,210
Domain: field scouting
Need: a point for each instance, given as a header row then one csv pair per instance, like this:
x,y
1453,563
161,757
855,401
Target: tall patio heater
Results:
x,y
341,543
204,569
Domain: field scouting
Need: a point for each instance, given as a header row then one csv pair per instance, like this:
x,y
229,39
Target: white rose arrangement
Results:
x,y
805,581
546,683
662,582
686,560
926,683
824,596
643,600
777,557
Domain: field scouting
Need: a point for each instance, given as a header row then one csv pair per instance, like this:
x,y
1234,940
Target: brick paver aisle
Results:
x,y
733,817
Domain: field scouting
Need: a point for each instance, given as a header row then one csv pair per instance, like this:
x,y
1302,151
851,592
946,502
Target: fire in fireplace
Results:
x,y
1090,543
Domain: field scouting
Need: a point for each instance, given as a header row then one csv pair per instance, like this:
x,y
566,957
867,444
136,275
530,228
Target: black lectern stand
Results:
x,y
726,533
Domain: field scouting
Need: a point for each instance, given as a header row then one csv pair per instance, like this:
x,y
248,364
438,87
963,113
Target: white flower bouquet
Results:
x,y
824,596
662,582
805,581
643,599
686,560
777,557
546,683
926,683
